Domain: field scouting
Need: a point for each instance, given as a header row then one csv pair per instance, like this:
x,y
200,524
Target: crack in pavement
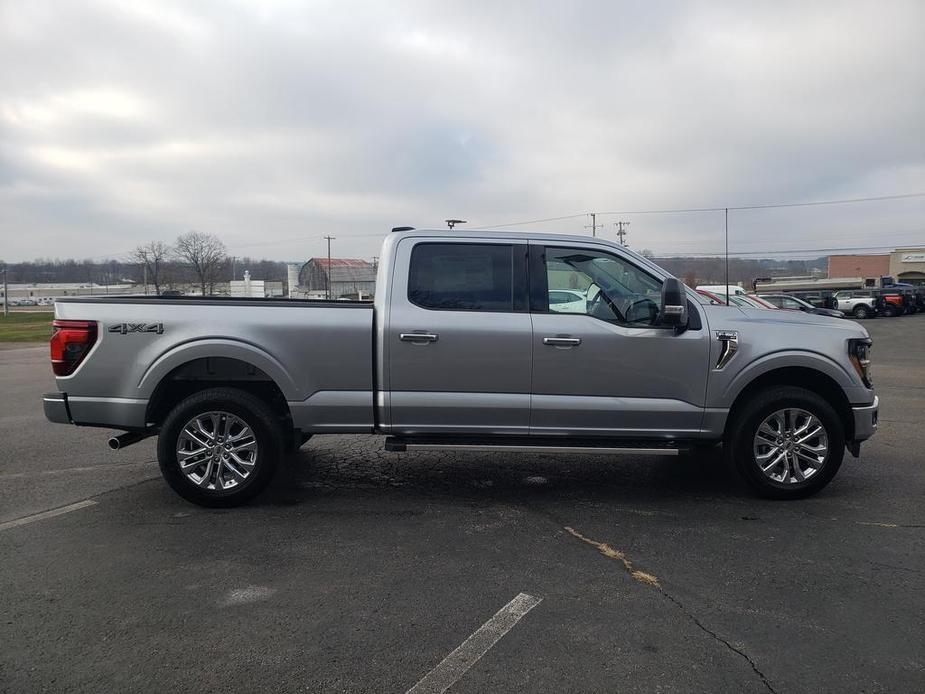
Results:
x,y
643,577
720,639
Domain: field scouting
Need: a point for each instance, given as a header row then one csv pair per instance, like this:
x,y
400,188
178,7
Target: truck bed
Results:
x,y
319,354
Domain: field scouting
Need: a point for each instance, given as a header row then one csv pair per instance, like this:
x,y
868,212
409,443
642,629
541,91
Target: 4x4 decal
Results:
x,y
125,328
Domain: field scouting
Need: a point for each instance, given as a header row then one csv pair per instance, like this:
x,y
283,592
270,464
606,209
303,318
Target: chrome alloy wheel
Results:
x,y
791,446
217,451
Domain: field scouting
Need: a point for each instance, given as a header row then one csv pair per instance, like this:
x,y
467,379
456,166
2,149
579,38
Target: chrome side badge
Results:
x,y
730,340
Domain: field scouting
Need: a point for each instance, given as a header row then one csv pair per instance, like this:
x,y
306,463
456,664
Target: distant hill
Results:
x,y
696,270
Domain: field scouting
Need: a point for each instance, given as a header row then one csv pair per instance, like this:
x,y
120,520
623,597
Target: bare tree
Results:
x,y
205,254
151,257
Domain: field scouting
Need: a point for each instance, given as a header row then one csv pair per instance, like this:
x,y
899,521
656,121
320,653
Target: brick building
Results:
x,y
869,267
903,265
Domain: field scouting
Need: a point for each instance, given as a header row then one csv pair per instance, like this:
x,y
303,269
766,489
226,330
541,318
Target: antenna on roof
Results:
x,y
453,222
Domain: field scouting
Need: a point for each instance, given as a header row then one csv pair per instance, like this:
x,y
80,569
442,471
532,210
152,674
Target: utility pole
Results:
x,y
232,269
593,226
328,278
145,269
620,232
6,295
726,218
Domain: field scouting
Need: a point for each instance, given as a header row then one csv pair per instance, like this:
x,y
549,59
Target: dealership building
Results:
x,y
905,265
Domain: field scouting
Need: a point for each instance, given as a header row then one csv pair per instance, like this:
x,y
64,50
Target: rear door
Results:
x,y
459,334
610,369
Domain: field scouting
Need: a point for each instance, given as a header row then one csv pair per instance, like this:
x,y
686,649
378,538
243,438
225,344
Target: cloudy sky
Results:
x,y
273,123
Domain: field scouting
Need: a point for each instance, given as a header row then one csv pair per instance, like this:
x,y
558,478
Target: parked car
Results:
x,y
747,300
819,299
792,303
721,289
914,296
860,303
759,302
462,350
713,298
894,304
567,301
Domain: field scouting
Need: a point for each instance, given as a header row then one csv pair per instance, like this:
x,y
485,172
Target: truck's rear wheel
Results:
x,y
787,443
219,447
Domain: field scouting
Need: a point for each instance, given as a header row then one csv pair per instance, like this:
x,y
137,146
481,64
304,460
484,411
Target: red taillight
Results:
x,y
70,342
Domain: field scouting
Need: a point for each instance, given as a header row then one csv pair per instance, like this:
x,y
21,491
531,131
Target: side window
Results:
x,y
603,286
791,304
462,277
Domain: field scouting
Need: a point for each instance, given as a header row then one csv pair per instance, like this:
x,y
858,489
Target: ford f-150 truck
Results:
x,y
463,348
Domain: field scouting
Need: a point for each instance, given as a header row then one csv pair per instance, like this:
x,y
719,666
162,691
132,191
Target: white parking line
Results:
x,y
69,470
46,514
455,665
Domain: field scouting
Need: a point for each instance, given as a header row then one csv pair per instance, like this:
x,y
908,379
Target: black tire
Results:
x,y
889,311
250,410
861,312
745,426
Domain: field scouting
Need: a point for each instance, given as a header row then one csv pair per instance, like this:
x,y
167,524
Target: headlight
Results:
x,y
859,353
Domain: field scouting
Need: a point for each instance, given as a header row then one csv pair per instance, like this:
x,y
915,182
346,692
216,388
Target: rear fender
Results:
x,y
211,348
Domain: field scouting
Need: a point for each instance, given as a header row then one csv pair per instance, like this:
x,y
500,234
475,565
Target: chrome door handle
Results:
x,y
562,341
417,337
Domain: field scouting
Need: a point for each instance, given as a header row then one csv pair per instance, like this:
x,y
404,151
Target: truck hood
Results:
x,y
733,317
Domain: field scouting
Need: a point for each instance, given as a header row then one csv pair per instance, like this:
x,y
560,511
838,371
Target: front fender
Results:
x,y
212,347
727,387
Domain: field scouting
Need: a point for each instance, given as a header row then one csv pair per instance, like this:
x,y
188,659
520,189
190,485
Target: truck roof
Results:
x,y
504,233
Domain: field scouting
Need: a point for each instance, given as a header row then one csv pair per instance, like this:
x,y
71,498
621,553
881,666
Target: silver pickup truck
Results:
x,y
476,340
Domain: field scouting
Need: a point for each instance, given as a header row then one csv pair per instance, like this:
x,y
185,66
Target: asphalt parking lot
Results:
x,y
361,570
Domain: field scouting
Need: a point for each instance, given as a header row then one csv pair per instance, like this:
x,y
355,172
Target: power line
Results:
x,y
683,210
811,203
533,221
704,254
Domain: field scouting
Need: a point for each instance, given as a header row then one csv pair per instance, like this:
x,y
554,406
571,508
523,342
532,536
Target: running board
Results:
x,y
604,447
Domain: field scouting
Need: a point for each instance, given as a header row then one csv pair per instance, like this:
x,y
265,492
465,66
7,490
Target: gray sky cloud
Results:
x,y
273,123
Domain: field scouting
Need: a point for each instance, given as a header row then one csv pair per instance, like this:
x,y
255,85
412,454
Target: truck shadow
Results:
x,y
356,464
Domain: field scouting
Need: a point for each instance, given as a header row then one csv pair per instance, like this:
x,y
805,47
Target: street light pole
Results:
x,y
6,296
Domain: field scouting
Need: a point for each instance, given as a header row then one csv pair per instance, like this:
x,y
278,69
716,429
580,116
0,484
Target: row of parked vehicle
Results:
x,y
894,300
41,301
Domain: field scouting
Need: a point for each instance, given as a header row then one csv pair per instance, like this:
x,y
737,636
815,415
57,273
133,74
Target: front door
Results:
x,y
602,365
458,338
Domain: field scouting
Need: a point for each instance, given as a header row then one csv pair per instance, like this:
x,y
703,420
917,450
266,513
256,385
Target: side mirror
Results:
x,y
674,304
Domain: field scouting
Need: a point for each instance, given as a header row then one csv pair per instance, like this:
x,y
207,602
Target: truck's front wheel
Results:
x,y
219,447
787,442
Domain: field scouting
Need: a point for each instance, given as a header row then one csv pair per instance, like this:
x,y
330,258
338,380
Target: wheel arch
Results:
x,y
808,378
205,372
